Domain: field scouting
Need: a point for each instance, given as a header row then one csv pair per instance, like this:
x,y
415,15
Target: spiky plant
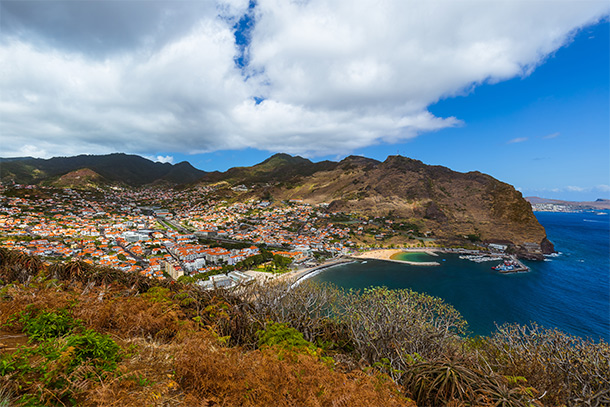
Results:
x,y
16,266
439,382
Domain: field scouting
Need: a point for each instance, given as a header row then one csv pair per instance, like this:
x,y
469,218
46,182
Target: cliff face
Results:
x,y
449,204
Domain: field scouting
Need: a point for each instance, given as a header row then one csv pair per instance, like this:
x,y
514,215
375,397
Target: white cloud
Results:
x,y
335,75
165,159
572,188
29,150
517,140
551,136
160,158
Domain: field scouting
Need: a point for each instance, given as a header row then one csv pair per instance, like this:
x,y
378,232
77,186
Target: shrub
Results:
x,y
394,324
6,399
568,370
232,377
48,324
54,371
283,336
441,382
93,348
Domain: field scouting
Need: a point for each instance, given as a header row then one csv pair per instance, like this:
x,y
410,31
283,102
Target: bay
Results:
x,y
570,291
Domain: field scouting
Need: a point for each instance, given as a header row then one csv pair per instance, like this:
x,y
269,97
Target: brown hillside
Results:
x,y
448,203
82,178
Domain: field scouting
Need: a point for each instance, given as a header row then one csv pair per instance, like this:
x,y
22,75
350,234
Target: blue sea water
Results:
x,y
570,291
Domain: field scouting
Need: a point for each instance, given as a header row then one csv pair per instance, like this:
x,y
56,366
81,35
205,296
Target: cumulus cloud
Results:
x,y
517,140
321,76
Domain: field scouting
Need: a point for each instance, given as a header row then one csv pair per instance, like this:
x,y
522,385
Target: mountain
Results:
x,y
122,168
448,204
597,204
277,168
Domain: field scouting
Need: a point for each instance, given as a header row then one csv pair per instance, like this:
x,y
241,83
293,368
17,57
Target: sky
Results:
x,y
515,89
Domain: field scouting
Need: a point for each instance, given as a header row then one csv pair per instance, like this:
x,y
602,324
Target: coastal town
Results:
x,y
165,233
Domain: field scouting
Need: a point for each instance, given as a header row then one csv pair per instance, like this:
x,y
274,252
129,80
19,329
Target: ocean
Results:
x,y
569,291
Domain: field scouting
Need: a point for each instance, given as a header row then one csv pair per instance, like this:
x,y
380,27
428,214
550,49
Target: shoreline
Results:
x,y
377,254
299,275
386,255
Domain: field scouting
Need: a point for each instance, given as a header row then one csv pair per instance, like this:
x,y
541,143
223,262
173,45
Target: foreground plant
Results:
x,y
567,369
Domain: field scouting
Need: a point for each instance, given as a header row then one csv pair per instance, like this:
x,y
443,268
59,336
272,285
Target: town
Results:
x,y
165,233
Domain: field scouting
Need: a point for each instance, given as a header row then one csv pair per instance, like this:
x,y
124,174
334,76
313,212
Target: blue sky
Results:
x,y
518,90
547,133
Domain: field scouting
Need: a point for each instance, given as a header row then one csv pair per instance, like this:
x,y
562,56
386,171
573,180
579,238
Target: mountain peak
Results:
x,y
283,158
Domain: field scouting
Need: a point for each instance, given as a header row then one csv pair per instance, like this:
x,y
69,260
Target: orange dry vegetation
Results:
x,y
231,377
172,360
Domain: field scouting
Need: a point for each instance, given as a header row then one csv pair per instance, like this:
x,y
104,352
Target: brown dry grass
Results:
x,y
133,316
145,379
232,377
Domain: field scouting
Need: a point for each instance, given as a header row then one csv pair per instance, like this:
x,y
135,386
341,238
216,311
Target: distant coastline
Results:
x,y
557,205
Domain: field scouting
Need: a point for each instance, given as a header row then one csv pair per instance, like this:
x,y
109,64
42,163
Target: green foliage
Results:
x,y
283,336
46,325
48,372
474,237
160,295
95,349
281,262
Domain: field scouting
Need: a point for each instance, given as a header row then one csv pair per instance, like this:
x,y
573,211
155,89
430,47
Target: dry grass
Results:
x,y
232,377
145,379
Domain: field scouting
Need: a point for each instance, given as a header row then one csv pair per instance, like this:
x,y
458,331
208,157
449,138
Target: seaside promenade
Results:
x,y
297,275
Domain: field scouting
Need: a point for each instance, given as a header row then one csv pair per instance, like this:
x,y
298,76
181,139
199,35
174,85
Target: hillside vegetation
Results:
x,y
111,168
74,334
449,205
443,204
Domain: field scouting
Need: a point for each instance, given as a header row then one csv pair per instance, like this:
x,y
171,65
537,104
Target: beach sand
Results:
x,y
378,254
386,255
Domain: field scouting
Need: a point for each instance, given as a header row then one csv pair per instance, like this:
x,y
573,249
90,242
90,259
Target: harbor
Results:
x,y
509,264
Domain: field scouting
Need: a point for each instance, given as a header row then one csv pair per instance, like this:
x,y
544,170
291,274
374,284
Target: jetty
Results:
x,y
511,265
412,263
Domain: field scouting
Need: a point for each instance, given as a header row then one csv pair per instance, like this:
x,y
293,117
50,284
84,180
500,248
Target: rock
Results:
x,y
547,246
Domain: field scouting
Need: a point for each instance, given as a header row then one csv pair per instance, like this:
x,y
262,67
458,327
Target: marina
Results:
x,y
509,264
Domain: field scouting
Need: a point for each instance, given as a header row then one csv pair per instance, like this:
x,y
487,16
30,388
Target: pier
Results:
x,y
517,266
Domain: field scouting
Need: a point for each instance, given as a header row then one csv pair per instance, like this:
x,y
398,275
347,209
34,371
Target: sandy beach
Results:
x,y
386,255
378,254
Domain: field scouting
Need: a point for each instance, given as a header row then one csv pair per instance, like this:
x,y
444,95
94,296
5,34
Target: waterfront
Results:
x,y
570,291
